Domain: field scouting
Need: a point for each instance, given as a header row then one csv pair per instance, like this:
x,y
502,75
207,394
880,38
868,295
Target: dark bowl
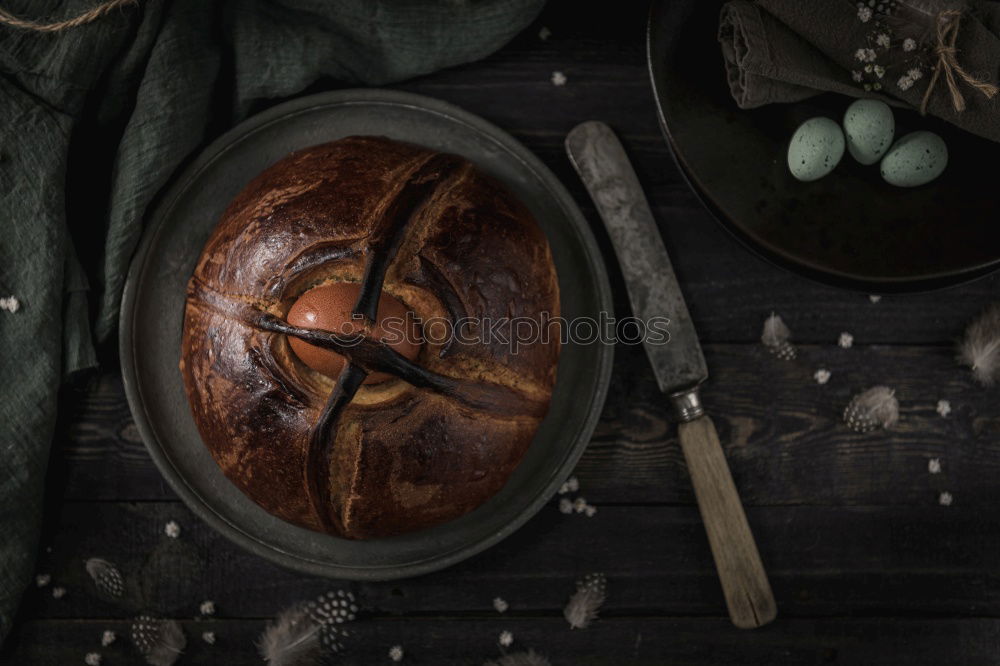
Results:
x,y
153,309
849,229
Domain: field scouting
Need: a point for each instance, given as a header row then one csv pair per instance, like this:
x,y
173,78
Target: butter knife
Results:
x,y
678,364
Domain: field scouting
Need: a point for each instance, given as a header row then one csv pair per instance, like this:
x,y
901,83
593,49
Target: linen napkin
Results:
x,y
789,50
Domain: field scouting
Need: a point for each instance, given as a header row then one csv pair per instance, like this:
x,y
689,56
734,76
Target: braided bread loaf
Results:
x,y
439,425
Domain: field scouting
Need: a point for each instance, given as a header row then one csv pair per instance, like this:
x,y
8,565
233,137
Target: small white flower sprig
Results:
x,y
579,505
887,49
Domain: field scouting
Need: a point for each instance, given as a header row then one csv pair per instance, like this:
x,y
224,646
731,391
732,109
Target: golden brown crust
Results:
x,y
402,458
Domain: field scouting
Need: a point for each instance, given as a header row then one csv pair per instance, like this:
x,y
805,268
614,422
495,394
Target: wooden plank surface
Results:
x,y
647,641
782,431
822,561
867,566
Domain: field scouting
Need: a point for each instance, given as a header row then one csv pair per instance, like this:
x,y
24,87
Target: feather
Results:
x,y
775,331
170,646
872,409
980,348
161,642
529,658
581,610
291,639
106,577
775,337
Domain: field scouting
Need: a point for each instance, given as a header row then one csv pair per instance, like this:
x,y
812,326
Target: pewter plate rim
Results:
x,y
443,545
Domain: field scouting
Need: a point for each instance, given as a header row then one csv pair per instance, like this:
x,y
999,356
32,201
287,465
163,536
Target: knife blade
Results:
x,y
653,291
679,365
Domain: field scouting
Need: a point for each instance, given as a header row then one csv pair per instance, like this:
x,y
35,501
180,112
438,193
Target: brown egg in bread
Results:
x,y
353,432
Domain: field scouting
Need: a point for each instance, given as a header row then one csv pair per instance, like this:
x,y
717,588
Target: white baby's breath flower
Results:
x,y
58,592
846,340
822,376
207,607
857,76
10,304
943,407
172,529
41,580
879,71
565,505
108,637
909,44
571,485
92,659
874,298
590,511
883,40
869,69
934,465
945,499
904,83
864,14
500,605
558,79
506,639
916,73
877,85
579,505
208,637
396,651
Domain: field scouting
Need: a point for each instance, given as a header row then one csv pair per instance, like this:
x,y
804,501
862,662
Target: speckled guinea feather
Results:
x,y
873,409
106,576
775,337
980,348
291,639
161,642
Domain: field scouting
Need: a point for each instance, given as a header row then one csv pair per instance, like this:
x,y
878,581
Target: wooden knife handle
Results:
x,y
744,581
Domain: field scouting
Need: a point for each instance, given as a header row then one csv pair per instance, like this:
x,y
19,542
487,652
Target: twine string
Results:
x,y
948,23
88,16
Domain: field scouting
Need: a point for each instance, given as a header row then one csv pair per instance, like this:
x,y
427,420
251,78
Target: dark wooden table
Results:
x,y
866,564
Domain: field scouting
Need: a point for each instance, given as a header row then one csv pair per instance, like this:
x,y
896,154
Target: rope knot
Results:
x,y
947,64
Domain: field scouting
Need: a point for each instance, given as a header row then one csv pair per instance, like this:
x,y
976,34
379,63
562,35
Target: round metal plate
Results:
x,y
152,315
849,229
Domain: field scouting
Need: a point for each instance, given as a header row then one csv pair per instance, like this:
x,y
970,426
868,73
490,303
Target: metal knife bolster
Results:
x,y
678,364
686,406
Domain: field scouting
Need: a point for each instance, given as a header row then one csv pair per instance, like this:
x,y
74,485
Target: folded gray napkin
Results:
x,y
789,50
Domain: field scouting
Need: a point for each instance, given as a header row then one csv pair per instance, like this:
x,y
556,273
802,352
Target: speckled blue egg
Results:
x,y
816,149
916,159
869,128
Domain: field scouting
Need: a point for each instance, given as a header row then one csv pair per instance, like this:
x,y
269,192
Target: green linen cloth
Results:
x,y
95,121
